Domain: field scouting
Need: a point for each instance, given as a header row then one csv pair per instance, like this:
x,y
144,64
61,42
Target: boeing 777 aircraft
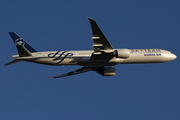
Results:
x,y
102,59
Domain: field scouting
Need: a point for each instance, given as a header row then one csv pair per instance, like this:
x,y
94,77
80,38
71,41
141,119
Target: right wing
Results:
x,y
81,70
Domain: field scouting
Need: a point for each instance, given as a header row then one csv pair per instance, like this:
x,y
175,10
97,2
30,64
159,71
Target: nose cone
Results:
x,y
168,56
173,56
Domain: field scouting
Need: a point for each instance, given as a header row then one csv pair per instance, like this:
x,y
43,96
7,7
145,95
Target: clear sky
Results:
x,y
137,92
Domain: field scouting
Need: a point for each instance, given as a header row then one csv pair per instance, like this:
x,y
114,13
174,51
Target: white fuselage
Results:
x,y
83,57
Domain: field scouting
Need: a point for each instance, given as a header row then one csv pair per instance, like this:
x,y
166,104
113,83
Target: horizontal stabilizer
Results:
x,y
12,62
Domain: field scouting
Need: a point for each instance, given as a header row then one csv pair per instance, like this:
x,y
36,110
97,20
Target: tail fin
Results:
x,y
21,43
24,49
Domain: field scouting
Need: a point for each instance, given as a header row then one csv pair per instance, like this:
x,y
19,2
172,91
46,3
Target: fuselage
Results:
x,y
83,57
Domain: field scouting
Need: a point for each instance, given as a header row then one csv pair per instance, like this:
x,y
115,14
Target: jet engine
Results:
x,y
121,53
107,71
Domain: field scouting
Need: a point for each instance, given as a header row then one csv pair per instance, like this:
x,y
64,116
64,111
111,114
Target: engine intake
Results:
x,y
107,71
121,53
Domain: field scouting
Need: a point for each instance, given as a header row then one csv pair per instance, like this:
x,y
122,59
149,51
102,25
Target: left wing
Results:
x,y
81,70
100,42
102,48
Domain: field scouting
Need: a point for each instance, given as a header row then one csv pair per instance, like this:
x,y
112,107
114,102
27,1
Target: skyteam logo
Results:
x,y
60,56
20,41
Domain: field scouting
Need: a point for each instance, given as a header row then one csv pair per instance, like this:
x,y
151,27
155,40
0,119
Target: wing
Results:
x,y
81,70
102,47
99,40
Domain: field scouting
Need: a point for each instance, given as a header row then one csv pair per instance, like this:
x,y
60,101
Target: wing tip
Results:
x,y
90,18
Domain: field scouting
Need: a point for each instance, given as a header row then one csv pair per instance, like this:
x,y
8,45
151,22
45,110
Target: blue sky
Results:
x,y
137,92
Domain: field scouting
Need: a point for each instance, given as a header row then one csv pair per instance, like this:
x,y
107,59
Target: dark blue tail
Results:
x,y
21,42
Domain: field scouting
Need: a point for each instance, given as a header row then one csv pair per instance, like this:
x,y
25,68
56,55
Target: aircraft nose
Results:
x,y
169,57
173,56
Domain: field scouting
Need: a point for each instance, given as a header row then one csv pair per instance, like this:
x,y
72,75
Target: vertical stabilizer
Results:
x,y
18,41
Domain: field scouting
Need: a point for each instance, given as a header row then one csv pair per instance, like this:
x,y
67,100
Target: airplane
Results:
x,y
101,60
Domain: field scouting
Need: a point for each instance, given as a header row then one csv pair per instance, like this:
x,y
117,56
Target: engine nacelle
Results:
x,y
121,53
107,71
